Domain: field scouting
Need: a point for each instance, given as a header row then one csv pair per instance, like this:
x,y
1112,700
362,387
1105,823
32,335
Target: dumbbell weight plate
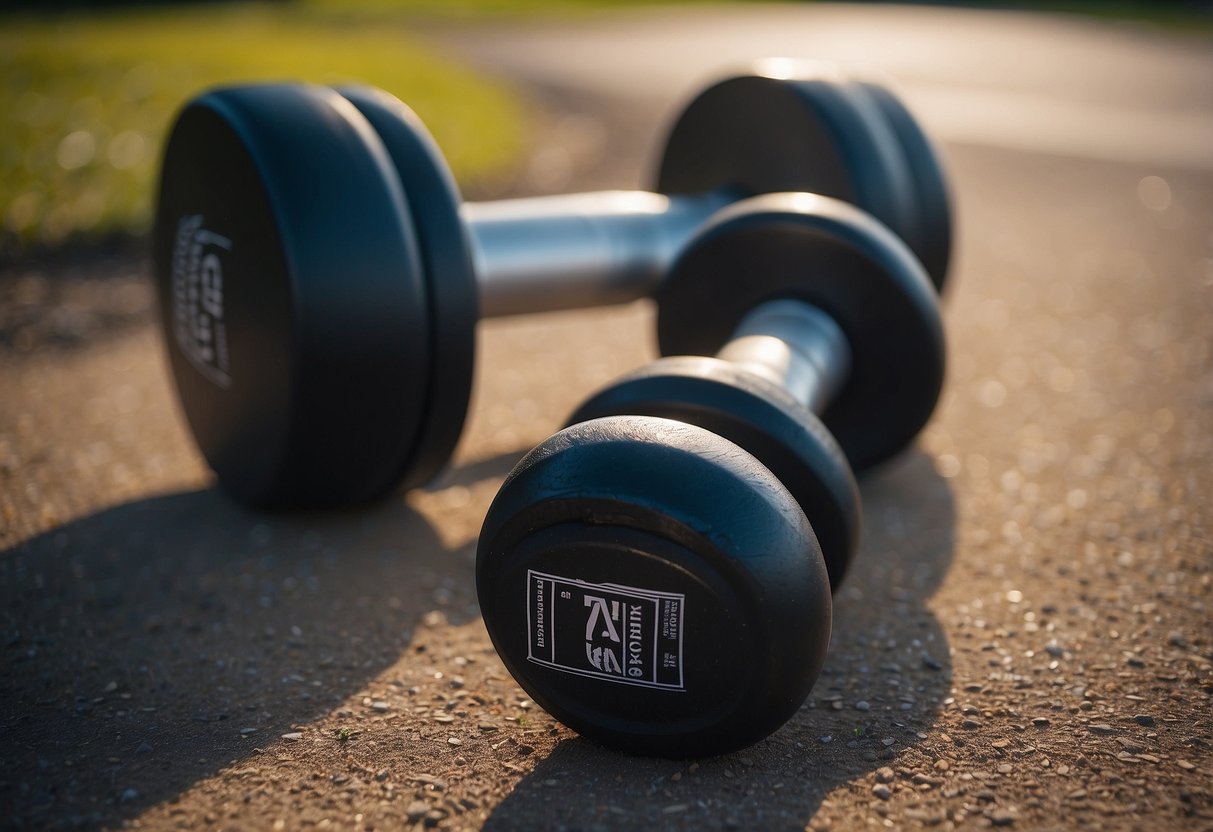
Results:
x,y
932,239
761,134
446,258
760,417
649,516
832,255
292,295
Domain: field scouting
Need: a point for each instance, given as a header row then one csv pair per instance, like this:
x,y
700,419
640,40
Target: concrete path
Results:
x,y
1024,641
1046,84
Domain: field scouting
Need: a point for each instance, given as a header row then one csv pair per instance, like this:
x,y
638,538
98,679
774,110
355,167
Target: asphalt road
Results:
x,y
1024,640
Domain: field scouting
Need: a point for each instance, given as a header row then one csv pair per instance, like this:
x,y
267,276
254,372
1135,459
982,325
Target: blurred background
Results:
x,y
87,89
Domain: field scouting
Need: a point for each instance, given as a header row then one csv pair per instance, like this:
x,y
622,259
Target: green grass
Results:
x,y
86,100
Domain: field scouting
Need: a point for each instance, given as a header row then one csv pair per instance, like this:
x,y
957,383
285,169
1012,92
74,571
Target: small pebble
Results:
x,y
882,791
970,724
1041,722
1143,719
1002,817
1101,729
884,775
861,705
293,736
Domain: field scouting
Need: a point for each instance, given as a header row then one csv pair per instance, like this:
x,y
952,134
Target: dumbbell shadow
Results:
x,y
886,675
153,644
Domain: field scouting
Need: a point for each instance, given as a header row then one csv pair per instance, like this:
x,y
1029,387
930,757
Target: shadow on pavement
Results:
x,y
155,643
886,678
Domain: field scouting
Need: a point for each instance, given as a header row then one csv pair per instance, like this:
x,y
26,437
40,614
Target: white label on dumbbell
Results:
x,y
608,631
198,323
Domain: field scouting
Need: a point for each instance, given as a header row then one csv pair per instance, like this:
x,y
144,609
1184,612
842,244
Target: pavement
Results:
x,y
1024,640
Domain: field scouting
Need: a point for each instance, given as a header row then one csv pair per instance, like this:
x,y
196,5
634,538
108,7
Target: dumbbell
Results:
x,y
658,575
320,281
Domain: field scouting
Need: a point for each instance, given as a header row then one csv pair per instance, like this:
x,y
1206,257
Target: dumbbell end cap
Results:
x,y
654,587
291,295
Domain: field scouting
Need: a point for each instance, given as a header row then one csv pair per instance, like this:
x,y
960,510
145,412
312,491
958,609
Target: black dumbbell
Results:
x,y
320,281
658,575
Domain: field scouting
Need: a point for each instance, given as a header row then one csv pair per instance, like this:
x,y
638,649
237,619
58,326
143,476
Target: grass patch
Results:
x,y
86,100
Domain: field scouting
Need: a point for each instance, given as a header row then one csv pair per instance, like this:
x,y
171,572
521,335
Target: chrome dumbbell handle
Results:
x,y
796,345
542,254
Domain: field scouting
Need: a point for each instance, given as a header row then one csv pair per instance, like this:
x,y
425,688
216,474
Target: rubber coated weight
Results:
x,y
827,135
621,532
932,236
835,257
295,333
446,258
754,414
